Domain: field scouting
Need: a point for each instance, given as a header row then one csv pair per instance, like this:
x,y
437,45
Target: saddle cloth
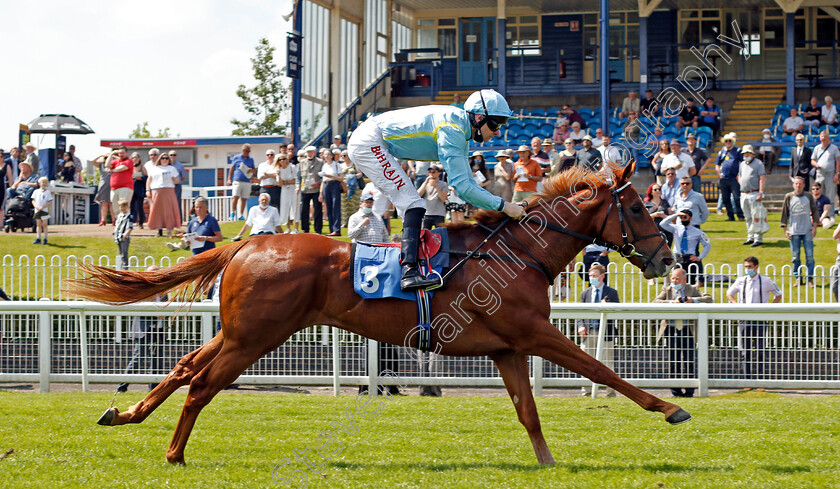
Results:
x,y
375,267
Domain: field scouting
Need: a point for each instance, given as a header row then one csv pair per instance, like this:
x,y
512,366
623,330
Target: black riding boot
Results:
x,y
412,279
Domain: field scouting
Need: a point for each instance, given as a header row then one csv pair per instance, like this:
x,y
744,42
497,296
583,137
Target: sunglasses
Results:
x,y
164,157
685,183
816,188
269,154
495,122
670,174
657,190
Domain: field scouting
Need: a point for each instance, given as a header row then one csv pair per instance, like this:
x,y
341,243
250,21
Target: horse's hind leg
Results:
x,y
188,367
550,344
514,369
218,374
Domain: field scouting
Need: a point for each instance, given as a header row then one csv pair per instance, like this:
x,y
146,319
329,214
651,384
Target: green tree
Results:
x,y
268,101
143,132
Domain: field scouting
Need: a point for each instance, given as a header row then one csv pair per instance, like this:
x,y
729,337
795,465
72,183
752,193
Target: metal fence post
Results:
x,y
703,353
336,362
373,365
83,345
602,327
44,350
537,362
206,326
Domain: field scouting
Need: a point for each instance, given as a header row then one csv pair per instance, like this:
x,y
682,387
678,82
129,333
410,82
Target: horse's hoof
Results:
x,y
107,417
680,416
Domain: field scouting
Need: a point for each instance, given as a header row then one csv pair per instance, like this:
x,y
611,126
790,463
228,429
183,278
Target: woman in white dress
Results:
x,y
286,175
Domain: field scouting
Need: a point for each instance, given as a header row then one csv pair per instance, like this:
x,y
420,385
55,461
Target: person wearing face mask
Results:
x,y
687,240
681,334
366,225
262,219
597,292
752,288
751,178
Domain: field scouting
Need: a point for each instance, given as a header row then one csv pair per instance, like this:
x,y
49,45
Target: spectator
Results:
x,y
699,157
122,231
366,225
14,160
610,154
204,229
689,116
293,155
828,113
826,216
419,170
727,165
598,291
262,219
671,187
632,128
435,192
25,184
32,156
382,205
480,172
630,104
687,198
41,198
502,174
769,154
687,242
267,175
286,177
337,144
799,218
710,116
794,124
588,157
122,182
6,177
332,181
658,207
537,153
825,158
139,195
528,173
76,162
350,202
751,179
681,339
812,113
752,289
67,170
679,161
649,105
310,189
564,159
182,177
103,191
562,132
800,160
598,140
239,176
577,133
148,335
572,115
548,148
456,102
160,189
658,158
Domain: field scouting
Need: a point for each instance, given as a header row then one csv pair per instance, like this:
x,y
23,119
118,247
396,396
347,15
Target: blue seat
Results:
x,y
530,129
787,139
783,107
783,161
523,112
552,112
704,130
538,113
585,112
547,130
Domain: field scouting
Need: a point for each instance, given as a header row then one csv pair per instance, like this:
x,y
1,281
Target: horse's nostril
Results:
x,y
668,261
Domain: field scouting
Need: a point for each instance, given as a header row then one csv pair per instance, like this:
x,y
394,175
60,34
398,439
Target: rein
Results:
x,y
627,249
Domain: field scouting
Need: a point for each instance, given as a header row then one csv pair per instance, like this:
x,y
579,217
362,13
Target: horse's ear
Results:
x,y
627,172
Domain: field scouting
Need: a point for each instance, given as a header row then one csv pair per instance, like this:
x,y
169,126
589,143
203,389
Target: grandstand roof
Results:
x,y
567,6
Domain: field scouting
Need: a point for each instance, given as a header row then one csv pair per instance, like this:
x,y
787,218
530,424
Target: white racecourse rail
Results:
x,y
25,278
76,341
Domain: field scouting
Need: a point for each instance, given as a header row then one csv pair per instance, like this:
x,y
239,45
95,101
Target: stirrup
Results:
x,y
439,284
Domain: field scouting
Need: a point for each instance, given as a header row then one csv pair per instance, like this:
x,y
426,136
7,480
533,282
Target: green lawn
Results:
x,y
752,440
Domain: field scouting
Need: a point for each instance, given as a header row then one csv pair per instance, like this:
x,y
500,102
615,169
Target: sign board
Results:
x,y
561,24
574,25
293,53
138,143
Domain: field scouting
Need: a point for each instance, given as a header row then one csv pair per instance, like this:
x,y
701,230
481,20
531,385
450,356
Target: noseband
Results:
x,y
628,248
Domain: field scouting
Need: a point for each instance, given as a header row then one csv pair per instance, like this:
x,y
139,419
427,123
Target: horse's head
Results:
x,y
628,225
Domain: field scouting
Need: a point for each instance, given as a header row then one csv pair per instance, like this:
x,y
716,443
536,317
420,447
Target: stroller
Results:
x,y
19,214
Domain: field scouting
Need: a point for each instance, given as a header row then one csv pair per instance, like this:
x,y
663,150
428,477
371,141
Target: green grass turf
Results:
x,y
752,440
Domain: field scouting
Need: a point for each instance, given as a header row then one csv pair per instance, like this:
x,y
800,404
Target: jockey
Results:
x,y
428,133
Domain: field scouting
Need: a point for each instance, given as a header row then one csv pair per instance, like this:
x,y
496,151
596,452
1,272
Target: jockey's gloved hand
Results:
x,y
515,211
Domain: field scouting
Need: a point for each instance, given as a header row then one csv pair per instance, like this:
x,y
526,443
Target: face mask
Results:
x,y
750,271
677,287
685,223
263,206
367,210
767,138
594,282
747,159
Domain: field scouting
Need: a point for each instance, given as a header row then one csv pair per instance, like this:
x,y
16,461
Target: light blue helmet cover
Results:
x,y
493,103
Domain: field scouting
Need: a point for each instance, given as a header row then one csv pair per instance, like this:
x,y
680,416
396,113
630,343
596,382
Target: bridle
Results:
x,y
628,248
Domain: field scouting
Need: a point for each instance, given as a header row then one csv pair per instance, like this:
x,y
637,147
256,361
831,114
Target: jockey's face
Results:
x,y
486,133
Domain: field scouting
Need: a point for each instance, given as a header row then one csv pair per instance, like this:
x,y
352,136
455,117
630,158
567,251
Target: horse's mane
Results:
x,y
563,184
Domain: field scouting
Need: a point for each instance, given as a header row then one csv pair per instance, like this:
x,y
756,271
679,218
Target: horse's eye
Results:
x,y
636,208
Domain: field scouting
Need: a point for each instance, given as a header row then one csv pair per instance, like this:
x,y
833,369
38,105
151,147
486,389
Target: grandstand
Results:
x,y
383,55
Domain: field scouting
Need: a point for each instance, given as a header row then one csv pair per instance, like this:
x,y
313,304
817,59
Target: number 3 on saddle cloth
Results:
x,y
375,273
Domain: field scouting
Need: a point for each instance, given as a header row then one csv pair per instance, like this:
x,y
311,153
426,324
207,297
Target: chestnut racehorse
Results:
x,y
274,286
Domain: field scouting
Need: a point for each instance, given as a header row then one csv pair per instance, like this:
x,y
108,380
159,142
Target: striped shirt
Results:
x,y
122,225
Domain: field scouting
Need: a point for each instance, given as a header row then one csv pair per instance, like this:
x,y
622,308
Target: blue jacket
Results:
x,y
729,162
437,133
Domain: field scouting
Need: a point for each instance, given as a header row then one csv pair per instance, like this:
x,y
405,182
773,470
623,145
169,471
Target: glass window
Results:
x,y
426,22
698,27
826,32
448,41
523,33
446,21
774,33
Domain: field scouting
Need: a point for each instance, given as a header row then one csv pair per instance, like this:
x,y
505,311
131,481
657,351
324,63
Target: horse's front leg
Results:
x,y
514,369
552,345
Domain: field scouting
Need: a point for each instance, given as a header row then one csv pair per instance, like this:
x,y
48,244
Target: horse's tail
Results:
x,y
125,287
